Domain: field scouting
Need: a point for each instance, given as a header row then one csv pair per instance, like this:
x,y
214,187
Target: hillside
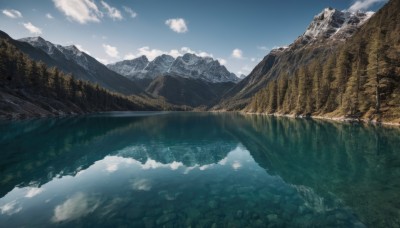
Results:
x,y
72,61
31,89
357,78
187,91
328,30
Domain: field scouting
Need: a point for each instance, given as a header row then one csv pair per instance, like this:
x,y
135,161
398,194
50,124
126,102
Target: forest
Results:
x,y
53,91
360,79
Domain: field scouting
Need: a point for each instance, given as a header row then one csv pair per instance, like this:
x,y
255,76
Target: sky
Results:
x,y
238,33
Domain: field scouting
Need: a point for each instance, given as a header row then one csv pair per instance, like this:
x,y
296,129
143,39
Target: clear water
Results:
x,y
197,170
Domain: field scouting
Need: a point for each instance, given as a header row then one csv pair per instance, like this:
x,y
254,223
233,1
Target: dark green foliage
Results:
x,y
360,78
33,81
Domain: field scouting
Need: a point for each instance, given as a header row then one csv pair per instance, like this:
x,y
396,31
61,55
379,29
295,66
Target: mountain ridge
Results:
x,y
287,59
358,79
187,66
70,59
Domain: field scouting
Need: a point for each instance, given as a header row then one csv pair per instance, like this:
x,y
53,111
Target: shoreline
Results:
x,y
341,119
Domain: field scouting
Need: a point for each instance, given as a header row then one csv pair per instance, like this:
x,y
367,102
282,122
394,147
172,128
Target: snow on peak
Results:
x,y
129,67
189,65
70,52
40,43
332,23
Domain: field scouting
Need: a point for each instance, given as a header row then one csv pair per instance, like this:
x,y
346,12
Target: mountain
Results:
x,y
356,78
129,68
326,31
71,60
187,91
30,89
187,66
334,24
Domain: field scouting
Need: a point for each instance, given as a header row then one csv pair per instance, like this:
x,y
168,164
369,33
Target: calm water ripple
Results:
x,y
165,169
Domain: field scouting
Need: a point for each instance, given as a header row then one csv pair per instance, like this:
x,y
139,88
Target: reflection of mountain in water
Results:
x,y
54,147
353,162
350,164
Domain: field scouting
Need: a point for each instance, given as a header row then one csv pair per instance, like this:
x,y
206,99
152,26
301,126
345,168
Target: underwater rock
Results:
x,y
239,214
165,218
272,217
213,204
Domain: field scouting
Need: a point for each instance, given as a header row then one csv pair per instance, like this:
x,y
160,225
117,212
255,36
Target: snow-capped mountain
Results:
x,y
334,24
326,31
130,67
187,66
70,59
159,66
56,51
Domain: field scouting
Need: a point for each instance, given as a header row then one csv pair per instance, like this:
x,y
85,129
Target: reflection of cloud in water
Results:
x,y
153,164
142,185
223,161
77,206
204,167
236,165
33,192
175,165
10,208
112,167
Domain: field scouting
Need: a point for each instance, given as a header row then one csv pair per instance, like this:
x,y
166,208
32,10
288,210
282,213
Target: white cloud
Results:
x,y
247,68
77,206
222,61
142,185
49,16
130,11
236,165
32,29
10,208
177,25
111,51
112,12
103,61
81,11
12,13
263,48
82,49
237,53
185,50
153,53
149,53
363,4
129,56
33,192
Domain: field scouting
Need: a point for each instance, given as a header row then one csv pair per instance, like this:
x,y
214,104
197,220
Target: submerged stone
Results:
x,y
165,218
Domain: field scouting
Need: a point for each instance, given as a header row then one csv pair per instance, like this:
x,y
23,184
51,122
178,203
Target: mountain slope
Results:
x,y
326,31
70,60
359,78
187,66
187,91
30,89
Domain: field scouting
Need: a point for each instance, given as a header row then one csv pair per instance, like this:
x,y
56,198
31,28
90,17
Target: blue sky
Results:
x,y
239,33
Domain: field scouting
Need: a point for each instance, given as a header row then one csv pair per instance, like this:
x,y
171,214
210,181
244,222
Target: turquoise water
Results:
x,y
197,170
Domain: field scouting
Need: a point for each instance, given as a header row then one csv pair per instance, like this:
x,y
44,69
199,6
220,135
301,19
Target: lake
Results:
x,y
171,169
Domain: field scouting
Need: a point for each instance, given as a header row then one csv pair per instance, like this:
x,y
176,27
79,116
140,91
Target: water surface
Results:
x,y
197,169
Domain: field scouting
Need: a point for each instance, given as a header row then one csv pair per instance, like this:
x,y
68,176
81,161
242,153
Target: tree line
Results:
x,y
359,79
21,76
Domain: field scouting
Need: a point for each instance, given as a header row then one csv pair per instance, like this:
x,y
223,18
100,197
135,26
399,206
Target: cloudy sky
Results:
x,y
236,32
